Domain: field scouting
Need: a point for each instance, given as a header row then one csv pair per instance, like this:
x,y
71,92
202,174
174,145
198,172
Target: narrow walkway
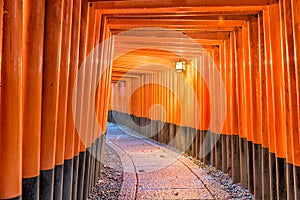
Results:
x,y
152,171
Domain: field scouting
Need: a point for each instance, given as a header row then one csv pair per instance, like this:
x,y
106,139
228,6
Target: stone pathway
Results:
x,y
152,171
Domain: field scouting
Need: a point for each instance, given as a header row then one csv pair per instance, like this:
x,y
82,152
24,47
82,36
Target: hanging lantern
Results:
x,y
180,66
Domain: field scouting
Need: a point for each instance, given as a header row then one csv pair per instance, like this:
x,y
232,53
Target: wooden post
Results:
x,y
11,102
51,72
34,12
255,51
235,156
278,89
62,98
266,96
82,55
69,154
271,106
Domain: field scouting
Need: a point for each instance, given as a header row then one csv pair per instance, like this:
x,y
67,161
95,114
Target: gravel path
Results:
x,y
111,177
235,190
150,170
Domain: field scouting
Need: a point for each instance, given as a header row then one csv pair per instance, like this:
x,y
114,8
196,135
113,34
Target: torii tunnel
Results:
x,y
218,80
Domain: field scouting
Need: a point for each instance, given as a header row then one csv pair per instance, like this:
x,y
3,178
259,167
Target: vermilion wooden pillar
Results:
x,y
279,99
51,73
287,10
295,9
286,61
107,37
216,85
70,157
235,154
266,95
234,105
1,37
108,78
255,52
223,150
271,102
89,74
197,90
11,102
231,98
1,32
96,148
99,104
206,102
242,109
200,93
62,97
82,55
227,83
32,96
90,49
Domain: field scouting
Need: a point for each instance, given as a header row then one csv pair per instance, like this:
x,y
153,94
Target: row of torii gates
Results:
x,y
69,65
